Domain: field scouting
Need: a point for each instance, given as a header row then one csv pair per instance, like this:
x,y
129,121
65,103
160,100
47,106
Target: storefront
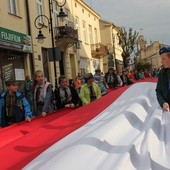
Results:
x,y
14,48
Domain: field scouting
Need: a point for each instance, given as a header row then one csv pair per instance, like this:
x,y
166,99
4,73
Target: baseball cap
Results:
x,y
164,50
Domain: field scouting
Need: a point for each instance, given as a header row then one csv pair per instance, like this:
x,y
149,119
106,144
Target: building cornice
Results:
x,y
88,8
110,24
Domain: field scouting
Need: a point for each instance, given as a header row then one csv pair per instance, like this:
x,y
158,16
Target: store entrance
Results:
x,y
11,67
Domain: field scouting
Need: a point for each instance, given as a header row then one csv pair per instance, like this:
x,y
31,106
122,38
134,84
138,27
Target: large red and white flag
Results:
x,y
130,133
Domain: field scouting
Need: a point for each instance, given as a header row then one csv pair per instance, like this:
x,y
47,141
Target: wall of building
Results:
x,y
109,37
151,54
15,44
85,14
37,47
74,59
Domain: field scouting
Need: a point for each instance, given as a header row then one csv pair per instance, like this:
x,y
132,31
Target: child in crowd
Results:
x,y
141,74
111,78
163,85
89,91
28,89
78,81
43,95
125,78
14,107
100,80
65,95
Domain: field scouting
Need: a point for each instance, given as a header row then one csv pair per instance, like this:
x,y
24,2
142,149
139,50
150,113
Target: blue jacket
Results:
x,y
21,111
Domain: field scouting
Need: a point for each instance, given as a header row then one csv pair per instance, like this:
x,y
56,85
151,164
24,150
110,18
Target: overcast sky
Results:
x,y
151,18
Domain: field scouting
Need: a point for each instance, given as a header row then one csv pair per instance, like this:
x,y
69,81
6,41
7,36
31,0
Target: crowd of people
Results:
x,y
39,98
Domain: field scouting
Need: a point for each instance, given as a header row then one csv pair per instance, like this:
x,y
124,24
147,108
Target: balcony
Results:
x,y
98,50
66,36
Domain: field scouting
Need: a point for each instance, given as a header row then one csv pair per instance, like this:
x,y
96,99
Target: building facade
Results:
x,y
72,44
92,51
149,53
75,37
15,43
109,36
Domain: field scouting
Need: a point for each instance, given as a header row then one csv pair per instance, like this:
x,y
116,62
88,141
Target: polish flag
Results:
x,y
126,129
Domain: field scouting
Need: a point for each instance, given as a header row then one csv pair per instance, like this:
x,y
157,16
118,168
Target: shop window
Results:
x,y
11,67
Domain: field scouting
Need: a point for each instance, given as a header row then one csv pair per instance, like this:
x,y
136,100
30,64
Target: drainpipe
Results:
x,y
29,33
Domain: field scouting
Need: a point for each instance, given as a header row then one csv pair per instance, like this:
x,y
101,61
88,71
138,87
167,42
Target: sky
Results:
x,y
151,18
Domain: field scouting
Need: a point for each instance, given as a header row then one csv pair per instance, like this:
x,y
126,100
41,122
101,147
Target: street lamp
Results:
x,y
41,37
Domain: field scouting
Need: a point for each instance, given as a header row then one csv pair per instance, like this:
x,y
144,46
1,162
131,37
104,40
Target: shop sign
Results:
x,y
8,72
19,74
15,40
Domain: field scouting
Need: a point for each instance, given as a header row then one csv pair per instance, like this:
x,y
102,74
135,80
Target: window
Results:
x,y
84,66
95,36
84,32
55,10
40,9
12,6
90,34
77,26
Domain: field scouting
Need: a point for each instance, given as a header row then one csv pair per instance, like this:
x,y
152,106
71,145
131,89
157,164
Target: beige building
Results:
x,y
109,37
92,51
149,53
15,42
71,45
77,47
81,48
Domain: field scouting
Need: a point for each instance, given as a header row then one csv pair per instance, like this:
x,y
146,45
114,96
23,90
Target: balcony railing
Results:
x,y
98,50
66,36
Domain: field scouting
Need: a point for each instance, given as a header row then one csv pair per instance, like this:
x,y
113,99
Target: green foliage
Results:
x,y
127,42
142,65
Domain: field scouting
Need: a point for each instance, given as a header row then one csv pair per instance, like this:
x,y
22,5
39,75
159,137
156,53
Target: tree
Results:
x,y
127,42
142,65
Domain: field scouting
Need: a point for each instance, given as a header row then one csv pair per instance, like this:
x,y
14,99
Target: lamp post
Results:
x,y
41,37
111,56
